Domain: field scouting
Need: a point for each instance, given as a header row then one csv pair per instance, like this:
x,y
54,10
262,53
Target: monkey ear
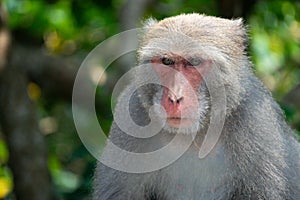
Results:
x,y
149,23
241,33
240,24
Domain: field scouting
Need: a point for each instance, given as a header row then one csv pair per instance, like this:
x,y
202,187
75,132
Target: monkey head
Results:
x,y
182,50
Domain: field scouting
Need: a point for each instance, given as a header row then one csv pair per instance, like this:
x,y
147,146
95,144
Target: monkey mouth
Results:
x,y
179,122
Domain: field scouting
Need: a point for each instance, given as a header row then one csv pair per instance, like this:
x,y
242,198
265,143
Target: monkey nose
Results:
x,y
175,100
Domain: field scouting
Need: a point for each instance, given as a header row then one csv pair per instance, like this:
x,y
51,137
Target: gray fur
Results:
x,y
257,156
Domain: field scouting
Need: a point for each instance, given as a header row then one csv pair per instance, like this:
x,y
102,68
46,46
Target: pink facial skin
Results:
x,y
181,80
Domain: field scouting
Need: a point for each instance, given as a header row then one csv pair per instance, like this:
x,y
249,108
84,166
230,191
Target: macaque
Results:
x,y
201,61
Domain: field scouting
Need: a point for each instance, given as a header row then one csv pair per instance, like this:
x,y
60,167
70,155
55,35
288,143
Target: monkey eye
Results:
x,y
167,61
194,62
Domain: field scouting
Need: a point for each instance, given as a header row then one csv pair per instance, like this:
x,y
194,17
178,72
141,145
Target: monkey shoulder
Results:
x,y
262,145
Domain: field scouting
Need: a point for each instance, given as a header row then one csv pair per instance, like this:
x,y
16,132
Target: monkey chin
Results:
x,y
177,125
177,122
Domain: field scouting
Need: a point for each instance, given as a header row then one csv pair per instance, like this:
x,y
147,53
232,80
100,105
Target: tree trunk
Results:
x,y
27,149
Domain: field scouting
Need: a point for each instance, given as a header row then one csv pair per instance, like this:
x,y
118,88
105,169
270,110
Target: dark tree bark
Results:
x,y
55,75
4,38
132,11
235,8
27,148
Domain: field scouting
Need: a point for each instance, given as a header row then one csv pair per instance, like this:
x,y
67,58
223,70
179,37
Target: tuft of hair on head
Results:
x,y
148,23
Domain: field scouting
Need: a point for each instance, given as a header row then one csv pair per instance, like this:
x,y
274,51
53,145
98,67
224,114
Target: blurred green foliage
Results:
x,y
68,27
275,49
63,23
275,32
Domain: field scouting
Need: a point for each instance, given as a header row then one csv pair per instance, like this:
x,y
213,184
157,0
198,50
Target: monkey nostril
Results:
x,y
174,100
179,100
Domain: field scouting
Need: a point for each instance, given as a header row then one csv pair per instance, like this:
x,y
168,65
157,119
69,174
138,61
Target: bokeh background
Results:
x,y
42,44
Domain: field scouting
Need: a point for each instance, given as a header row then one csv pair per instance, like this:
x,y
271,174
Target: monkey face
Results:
x,y
181,63
181,80
182,95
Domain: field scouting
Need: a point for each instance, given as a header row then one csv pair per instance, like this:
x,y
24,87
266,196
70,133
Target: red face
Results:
x,y
181,79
